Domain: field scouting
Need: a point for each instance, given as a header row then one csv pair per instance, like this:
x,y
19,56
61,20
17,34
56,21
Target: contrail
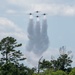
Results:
x,y
30,31
37,34
44,36
37,30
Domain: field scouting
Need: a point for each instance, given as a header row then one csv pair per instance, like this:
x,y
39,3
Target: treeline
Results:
x,y
10,57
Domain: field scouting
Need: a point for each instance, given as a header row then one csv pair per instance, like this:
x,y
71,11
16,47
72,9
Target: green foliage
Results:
x,y
45,64
9,62
8,52
8,69
12,69
72,72
60,72
63,62
50,72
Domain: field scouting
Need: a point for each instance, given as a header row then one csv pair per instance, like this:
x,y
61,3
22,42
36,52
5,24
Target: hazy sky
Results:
x,y
14,20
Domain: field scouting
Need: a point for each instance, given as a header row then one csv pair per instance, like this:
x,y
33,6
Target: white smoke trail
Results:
x,y
30,34
44,36
38,38
37,45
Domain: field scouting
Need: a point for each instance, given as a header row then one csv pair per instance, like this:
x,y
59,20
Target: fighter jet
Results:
x,y
37,16
44,14
37,11
30,13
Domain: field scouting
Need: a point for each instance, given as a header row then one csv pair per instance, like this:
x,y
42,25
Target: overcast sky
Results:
x,y
14,20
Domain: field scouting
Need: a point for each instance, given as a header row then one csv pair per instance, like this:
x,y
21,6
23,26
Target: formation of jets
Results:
x,y
37,12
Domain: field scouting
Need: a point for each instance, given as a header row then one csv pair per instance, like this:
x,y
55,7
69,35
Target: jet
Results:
x,y
30,13
44,14
37,16
37,11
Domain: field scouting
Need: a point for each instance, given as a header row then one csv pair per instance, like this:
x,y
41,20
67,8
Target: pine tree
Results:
x,y
8,50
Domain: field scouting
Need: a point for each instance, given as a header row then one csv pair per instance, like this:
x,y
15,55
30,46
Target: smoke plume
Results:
x,y
44,36
30,31
37,34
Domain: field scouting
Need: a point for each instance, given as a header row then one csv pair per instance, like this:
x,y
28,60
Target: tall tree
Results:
x,y
63,62
8,50
45,64
9,62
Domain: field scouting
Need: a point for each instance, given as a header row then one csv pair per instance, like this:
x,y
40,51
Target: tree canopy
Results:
x,y
9,62
10,65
